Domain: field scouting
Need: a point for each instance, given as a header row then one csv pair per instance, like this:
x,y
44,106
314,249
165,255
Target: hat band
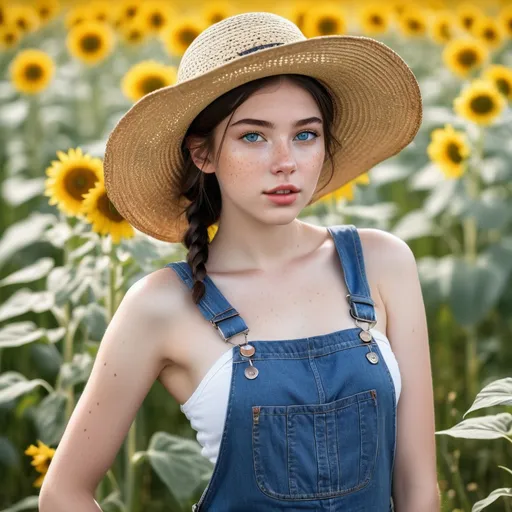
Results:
x,y
261,47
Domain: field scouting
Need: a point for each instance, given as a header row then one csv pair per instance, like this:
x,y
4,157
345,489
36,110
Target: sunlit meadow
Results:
x,y
69,72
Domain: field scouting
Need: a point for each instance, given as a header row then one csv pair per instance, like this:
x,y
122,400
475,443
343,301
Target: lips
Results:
x,y
291,188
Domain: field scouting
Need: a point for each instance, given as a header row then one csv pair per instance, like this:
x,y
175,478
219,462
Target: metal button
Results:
x,y
366,336
247,350
372,357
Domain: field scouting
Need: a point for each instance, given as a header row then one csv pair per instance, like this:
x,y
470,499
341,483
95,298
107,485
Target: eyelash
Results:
x,y
316,134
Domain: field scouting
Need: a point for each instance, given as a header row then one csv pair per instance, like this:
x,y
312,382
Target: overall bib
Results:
x,y
310,422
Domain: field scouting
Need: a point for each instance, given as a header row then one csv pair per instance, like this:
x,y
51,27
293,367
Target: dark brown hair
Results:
x,y
203,190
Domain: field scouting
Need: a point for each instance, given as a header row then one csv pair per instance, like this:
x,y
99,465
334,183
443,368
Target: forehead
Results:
x,y
278,99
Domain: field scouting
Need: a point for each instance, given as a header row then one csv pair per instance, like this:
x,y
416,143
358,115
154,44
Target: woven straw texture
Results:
x,y
378,110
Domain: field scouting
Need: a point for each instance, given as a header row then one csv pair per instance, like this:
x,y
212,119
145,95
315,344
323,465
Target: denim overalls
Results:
x,y
311,422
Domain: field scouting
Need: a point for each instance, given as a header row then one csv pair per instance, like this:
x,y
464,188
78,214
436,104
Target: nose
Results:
x,y
283,158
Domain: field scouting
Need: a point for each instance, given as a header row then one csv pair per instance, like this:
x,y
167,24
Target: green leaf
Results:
x,y
50,418
489,210
483,427
441,197
30,273
17,190
77,371
377,212
415,224
24,233
20,333
14,384
498,392
113,503
178,462
28,503
25,300
497,493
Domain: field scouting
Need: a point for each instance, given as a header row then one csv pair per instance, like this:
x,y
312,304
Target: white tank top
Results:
x,y
206,408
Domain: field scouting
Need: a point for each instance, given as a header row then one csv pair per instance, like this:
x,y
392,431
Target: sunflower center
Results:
x,y
414,25
33,72
134,35
156,20
108,209
187,35
91,43
503,85
453,152
482,104
101,16
375,19
444,29
467,21
151,83
44,12
217,16
79,181
328,26
131,12
467,57
22,23
9,38
489,34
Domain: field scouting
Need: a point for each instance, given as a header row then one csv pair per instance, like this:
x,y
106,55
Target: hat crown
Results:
x,y
235,37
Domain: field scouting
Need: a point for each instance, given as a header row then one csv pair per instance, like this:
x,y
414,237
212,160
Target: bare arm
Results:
x,y
415,474
128,362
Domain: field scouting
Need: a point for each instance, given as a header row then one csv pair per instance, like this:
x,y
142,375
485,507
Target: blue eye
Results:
x,y
306,133
252,134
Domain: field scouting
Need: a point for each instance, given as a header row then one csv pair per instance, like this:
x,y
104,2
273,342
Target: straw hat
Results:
x,y
377,101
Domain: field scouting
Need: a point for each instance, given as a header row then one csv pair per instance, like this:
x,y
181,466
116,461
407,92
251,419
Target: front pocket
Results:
x,y
318,450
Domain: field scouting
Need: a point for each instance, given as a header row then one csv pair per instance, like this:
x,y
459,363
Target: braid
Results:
x,y
201,214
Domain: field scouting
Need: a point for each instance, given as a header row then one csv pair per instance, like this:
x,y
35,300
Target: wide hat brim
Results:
x,y
378,111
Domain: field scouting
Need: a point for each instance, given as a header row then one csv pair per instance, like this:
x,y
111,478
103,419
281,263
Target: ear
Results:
x,y
199,154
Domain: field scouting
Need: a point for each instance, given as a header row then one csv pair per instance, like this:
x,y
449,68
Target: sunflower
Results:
x,y
374,18
47,9
103,216
443,26
505,19
70,177
90,41
413,22
100,10
133,32
450,150
217,11
145,77
180,33
467,14
42,456
75,16
489,31
463,55
24,17
155,14
346,191
325,19
10,36
127,10
31,71
502,78
212,231
297,12
481,102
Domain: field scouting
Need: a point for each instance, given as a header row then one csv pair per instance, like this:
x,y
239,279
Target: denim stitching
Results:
x,y
361,444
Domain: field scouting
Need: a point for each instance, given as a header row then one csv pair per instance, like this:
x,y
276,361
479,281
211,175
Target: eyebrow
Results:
x,y
268,124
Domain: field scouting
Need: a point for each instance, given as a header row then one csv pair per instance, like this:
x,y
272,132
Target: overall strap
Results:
x,y
213,305
350,251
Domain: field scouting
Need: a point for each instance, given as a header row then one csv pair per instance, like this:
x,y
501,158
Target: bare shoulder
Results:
x,y
387,258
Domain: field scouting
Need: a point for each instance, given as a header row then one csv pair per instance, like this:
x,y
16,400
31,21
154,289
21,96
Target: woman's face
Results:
x,y
274,138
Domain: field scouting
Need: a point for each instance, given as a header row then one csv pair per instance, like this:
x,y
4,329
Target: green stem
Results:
x,y
470,230
34,136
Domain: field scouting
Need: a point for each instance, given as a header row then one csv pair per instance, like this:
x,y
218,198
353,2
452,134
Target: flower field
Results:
x,y
70,70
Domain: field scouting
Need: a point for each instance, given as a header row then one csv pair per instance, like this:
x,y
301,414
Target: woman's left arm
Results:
x,y
415,486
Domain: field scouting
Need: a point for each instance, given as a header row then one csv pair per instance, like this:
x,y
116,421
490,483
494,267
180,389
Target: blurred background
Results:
x,y
70,70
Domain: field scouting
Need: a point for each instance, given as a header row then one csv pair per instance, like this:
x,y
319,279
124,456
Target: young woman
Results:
x,y
299,353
